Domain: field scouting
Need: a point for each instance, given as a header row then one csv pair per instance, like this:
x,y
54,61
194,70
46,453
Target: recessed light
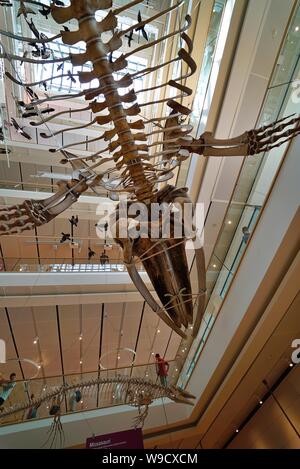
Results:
x,y
237,430
261,402
214,266
291,364
229,222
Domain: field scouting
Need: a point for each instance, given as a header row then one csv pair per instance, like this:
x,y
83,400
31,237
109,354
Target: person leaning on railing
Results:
x,y
7,387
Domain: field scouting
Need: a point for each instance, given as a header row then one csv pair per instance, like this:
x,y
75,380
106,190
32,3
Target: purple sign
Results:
x,y
131,439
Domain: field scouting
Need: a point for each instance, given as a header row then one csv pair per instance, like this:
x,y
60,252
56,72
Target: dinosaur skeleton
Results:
x,y
134,172
136,392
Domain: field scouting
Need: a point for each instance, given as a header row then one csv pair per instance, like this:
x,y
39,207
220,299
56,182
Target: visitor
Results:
x,y
91,253
104,258
162,368
55,407
246,234
7,387
32,412
75,397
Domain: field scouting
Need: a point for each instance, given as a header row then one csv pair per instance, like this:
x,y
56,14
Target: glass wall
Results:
x,y
254,183
214,47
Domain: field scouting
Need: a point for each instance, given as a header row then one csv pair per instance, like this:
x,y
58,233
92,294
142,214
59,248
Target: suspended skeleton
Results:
x,y
164,258
136,392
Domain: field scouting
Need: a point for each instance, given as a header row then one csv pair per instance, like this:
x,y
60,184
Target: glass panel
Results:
x,y
218,29
252,188
287,60
92,396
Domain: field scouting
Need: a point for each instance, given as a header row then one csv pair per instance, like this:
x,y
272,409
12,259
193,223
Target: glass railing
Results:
x,y
214,48
93,397
251,191
63,265
38,187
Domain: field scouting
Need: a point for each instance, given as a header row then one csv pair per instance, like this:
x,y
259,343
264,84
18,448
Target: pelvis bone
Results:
x,y
156,236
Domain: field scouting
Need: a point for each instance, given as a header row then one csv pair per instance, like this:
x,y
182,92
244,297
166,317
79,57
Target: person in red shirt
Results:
x,y
162,368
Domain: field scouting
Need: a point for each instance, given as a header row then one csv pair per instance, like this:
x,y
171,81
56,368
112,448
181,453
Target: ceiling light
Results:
x,y
80,337
152,353
35,340
297,29
80,362
229,222
237,430
158,331
176,369
261,402
119,357
291,364
182,350
81,402
39,367
214,266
